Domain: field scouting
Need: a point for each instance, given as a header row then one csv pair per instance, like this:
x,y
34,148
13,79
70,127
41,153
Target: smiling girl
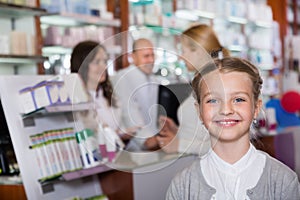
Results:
x,y
227,100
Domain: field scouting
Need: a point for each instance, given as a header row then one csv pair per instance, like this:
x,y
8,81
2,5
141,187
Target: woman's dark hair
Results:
x,y
82,55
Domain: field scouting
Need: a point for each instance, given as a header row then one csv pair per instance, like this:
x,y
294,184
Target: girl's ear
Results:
x,y
257,108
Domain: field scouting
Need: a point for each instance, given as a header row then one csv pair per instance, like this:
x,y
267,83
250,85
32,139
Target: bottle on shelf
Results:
x,y
113,143
88,148
101,142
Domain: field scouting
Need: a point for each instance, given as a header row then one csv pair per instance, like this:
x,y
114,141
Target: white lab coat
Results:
x,y
138,94
108,115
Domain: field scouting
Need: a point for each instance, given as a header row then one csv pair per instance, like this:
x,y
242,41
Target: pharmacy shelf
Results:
x,y
54,110
157,29
141,2
85,172
47,185
51,50
73,19
21,59
164,30
263,24
77,174
57,109
8,10
184,13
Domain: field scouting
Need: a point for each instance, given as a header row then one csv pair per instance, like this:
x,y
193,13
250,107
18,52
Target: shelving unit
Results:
x,y
63,20
21,59
9,10
47,185
231,20
238,46
58,109
48,118
293,8
162,30
85,172
73,19
66,110
50,50
14,13
246,34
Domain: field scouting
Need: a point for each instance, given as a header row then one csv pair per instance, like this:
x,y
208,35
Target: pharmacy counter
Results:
x,y
149,174
11,188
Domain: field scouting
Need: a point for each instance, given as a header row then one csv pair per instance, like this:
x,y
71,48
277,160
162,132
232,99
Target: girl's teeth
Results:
x,y
227,123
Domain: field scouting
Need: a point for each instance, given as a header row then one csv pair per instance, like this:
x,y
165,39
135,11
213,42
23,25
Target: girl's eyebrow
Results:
x,y
241,93
207,94
232,94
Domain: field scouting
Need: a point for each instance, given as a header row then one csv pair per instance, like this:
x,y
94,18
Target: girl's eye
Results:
x,y
239,100
211,101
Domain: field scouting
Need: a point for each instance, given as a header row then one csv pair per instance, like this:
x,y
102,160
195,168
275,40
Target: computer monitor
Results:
x,y
170,97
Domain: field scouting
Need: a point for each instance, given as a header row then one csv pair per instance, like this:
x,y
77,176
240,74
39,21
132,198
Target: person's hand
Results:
x,y
168,127
168,144
126,136
128,133
166,138
151,143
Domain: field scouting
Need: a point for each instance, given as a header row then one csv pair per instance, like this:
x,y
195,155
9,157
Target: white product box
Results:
x,y
74,85
27,100
4,44
18,43
46,93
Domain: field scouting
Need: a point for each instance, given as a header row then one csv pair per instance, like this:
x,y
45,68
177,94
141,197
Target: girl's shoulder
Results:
x,y
277,172
273,165
277,180
190,172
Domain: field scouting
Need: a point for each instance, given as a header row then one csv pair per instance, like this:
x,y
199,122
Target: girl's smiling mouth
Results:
x,y
227,122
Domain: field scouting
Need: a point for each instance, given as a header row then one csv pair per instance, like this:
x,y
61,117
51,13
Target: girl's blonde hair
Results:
x,y
226,65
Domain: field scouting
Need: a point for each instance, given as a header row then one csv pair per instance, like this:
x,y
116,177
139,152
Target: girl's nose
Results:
x,y
226,108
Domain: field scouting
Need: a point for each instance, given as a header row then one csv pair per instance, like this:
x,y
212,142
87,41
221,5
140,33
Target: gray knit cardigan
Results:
x,y
278,182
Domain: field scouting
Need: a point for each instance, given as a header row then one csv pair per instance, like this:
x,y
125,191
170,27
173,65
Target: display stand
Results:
x,y
9,91
143,175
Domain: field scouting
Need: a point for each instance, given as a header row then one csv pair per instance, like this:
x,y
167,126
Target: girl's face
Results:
x,y
97,67
227,106
193,58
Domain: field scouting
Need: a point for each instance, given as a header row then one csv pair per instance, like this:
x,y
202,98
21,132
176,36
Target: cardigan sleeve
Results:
x,y
292,190
174,193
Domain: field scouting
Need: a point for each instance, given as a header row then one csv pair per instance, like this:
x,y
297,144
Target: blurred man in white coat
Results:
x,y
137,88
